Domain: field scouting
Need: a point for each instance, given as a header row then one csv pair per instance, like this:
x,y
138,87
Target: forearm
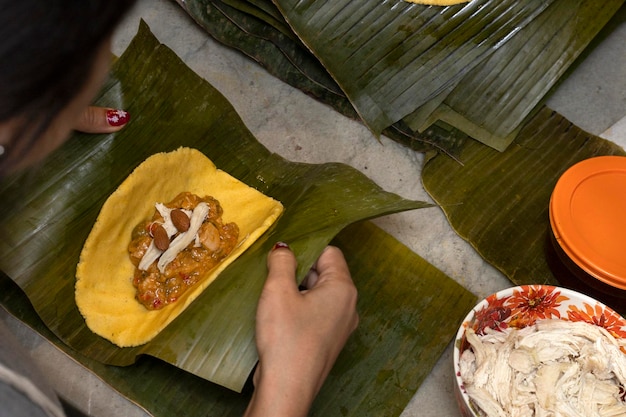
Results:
x,y
278,395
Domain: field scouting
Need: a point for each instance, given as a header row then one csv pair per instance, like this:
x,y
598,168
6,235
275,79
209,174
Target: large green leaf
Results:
x,y
401,335
499,201
48,213
493,100
283,55
392,57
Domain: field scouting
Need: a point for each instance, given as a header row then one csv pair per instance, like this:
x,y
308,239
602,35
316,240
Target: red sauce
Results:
x,y
155,290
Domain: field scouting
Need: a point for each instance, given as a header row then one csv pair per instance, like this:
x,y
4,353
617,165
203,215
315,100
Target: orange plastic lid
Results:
x,y
588,217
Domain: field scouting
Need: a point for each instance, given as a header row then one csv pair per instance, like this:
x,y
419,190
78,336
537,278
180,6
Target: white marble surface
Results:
x,y
301,129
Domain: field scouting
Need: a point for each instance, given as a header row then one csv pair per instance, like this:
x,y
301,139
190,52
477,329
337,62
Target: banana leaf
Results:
x,y
499,201
494,99
47,213
282,55
391,58
261,10
401,335
249,31
266,6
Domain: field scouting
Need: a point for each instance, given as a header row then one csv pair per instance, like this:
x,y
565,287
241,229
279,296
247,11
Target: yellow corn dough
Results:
x,y
105,294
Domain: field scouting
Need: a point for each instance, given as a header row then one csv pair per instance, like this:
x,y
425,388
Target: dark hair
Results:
x,y
47,52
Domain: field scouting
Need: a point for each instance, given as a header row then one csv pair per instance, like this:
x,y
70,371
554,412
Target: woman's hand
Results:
x,y
299,334
101,120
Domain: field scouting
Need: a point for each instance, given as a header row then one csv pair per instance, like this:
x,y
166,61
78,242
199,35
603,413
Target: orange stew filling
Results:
x,y
177,265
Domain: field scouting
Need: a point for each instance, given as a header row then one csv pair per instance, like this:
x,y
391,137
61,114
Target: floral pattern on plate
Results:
x,y
522,306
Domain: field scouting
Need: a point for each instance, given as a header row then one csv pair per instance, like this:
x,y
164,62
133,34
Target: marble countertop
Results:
x,y
301,129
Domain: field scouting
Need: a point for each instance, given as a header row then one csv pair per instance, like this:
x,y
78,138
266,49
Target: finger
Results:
x,y
335,281
333,269
310,279
281,265
101,120
331,264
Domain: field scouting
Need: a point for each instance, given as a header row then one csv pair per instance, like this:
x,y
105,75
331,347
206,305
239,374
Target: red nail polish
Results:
x,y
280,245
117,117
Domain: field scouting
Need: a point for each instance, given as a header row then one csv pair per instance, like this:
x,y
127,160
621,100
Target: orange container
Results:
x,y
588,225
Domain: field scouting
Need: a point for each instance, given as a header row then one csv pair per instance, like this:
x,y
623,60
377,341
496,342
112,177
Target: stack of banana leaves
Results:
x,y
425,75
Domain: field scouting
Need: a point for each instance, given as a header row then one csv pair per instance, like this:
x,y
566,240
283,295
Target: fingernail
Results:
x,y
280,245
117,117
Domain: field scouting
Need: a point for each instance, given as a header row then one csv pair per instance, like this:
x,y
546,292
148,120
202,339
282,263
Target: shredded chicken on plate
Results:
x,y
555,368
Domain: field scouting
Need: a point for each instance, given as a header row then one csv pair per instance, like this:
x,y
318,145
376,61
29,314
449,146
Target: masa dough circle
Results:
x,y
105,295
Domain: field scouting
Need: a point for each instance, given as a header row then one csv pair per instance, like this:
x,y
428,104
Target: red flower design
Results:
x,y
492,316
599,316
538,302
519,321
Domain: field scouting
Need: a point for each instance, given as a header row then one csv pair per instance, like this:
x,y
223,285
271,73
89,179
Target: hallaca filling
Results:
x,y
184,240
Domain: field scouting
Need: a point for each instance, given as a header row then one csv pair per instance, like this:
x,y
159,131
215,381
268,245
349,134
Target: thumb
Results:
x,y
101,120
281,264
